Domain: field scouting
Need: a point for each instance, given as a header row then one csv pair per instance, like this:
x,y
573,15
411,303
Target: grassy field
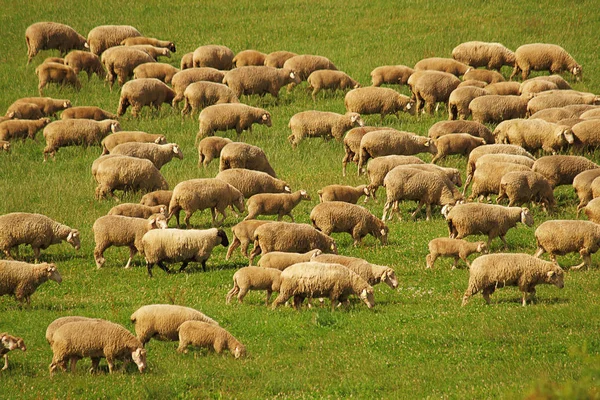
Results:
x,y
418,342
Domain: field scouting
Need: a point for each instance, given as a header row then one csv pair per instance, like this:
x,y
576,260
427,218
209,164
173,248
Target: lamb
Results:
x,y
534,134
471,127
85,61
458,102
484,75
496,108
161,71
487,219
23,110
582,183
243,234
21,128
592,210
348,194
560,98
499,270
210,148
142,92
95,339
488,175
152,51
187,61
103,37
505,88
259,80
276,59
203,94
456,248
136,210
431,87
113,140
280,260
52,35
447,65
158,197
561,169
378,168
456,143
378,100
249,57
352,144
5,146
20,279
57,323
372,273
222,117
10,342
251,182
185,77
484,54
137,40
214,56
536,86
560,237
315,279
200,194
321,123
87,112
159,154
279,204
118,230
544,57
330,79
174,245
526,186
120,62
243,155
47,105
254,278
201,334
74,132
585,132
391,74
160,321
56,73
305,64
36,230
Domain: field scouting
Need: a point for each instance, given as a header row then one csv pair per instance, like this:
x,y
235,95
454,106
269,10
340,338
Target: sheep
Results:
x,y
484,54
579,109
249,57
85,61
47,105
592,210
280,260
562,169
456,143
556,79
187,61
95,339
456,248
52,35
243,234
203,94
534,134
152,51
305,64
87,112
544,57
372,273
570,122
136,210
589,114
450,176
473,82
21,128
200,194
471,127
74,132
56,73
321,123
201,334
161,71
159,154
552,114
142,92
447,65
484,75
185,77
10,342
488,175
505,88
222,117
254,278
585,132
120,62
315,279
57,323
214,56
526,186
103,37
560,237
156,198
174,245
487,219
251,182
582,184
118,230
5,146
276,59
279,204
259,80
137,40
210,148
352,144
290,237
20,279
330,79
491,271
126,173
23,110
496,108
378,100
243,155
536,86
348,194
378,168
160,321
391,74
559,98
431,87
59,60
115,139
458,102
36,230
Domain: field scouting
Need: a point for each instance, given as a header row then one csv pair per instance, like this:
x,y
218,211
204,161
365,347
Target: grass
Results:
x,y
417,342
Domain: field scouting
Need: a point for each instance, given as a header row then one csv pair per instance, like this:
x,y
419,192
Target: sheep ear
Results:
x,y
70,236
152,220
287,189
175,150
303,192
550,274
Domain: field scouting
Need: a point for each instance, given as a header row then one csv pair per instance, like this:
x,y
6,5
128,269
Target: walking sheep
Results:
x,y
251,182
210,148
21,128
280,260
391,74
473,128
483,54
496,108
103,37
120,62
329,79
197,333
249,57
544,57
243,155
378,100
157,197
87,112
321,123
52,35
352,144
392,142
113,140
20,279
144,92
9,343
243,234
254,278
431,87
279,204
534,134
372,273
158,154
138,210
161,71
202,94
526,186
56,73
259,80
348,194
456,248
185,77
76,132
305,64
456,143
562,169
488,176
378,168
222,117
85,61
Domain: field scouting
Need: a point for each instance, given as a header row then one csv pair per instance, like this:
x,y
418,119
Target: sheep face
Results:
x,y
410,107
171,46
6,147
177,152
11,342
383,233
53,274
158,221
239,351
161,140
526,217
481,247
73,239
577,71
224,241
567,134
115,127
304,195
389,277
139,358
556,277
356,119
239,203
368,297
265,119
294,78
316,253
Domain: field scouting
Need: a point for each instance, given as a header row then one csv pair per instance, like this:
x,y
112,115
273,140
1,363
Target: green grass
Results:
x,y
418,342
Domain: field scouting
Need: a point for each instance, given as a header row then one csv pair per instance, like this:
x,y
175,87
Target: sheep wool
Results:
x,y
544,57
158,154
136,210
504,88
210,148
431,87
526,186
484,54
348,194
112,140
52,35
458,102
120,62
442,128
156,198
251,182
592,210
21,279
142,92
137,40
21,129
457,143
56,73
46,105
330,79
280,204
456,248
57,323
497,108
582,183
197,333
243,155
249,57
280,260
243,235
372,273
103,37
85,61
378,168
534,134
321,123
161,71
214,56
203,94
254,278
259,80
378,100
305,64
276,59
9,343
76,132
391,74
87,112
562,169
185,77
352,144
487,177
238,116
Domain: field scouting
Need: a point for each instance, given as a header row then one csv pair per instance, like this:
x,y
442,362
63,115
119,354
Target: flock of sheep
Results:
x,y
539,115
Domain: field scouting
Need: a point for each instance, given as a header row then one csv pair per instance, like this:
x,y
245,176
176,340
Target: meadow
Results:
x,y
418,342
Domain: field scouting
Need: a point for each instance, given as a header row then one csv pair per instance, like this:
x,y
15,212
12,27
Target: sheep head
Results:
x,y
367,296
161,140
239,351
10,342
73,239
389,277
177,151
224,240
482,247
265,119
556,277
139,358
526,217
355,119
53,273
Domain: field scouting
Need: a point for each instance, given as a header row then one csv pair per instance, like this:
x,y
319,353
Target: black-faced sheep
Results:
x,y
391,74
378,100
222,117
321,123
52,35
202,334
544,57
142,92
484,54
103,37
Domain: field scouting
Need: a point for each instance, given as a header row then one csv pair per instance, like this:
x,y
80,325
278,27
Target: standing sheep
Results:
x,y
259,80
352,144
561,169
137,40
391,74
47,105
210,148
330,79
592,210
536,86
87,112
534,134
504,88
76,132
21,128
144,92
305,64
560,98
279,204
321,123
544,57
484,54
348,194
249,57
582,183
85,61
432,87
496,108
52,35
113,140
20,279
378,168
23,110
456,248
222,117
243,234
136,210
161,71
254,278
120,62
197,333
488,175
442,128
185,77
156,198
214,56
159,154
560,237
458,102
378,100
251,182
57,323
447,65
243,155
280,260
457,143
103,37
203,94
9,343
484,75
372,273
526,186
56,73
276,59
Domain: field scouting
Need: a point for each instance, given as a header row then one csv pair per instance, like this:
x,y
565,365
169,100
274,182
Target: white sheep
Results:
x,y
9,343
592,210
251,182
23,110
161,71
582,183
21,279
474,128
526,186
56,73
87,112
391,74
378,168
76,132
321,123
585,132
114,139
534,134
159,154
243,155
136,210
352,144
544,57
52,35
280,260
497,108
456,143
249,57
276,59
57,323
372,273
152,51
85,61
46,105
505,88
103,37
243,234
280,204
185,77
431,87
21,128
348,194
137,40
536,86
210,148
142,92
562,169
203,94
156,198
254,278
459,99
455,248
560,98
197,333
214,56
222,117
305,64
120,62
378,100
259,80
330,79
484,54
488,175
484,75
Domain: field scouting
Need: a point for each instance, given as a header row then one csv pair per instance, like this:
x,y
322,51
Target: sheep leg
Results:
x,y
539,252
164,267
419,206
185,264
99,255
297,302
95,364
269,293
183,344
486,294
132,253
204,265
234,245
430,259
149,267
587,260
234,290
5,363
111,364
282,298
386,208
242,293
36,254
455,265
255,251
428,212
7,254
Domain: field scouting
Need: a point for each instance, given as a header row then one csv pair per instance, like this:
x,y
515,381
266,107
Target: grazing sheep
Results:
x,y
137,40
20,279
118,230
471,127
526,186
120,62
56,73
305,64
259,80
560,98
152,51
505,88
243,155
249,57
487,219
161,71
199,194
582,183
378,168
10,343
458,102
534,134
473,82
243,234
85,61
103,37
214,56
254,278
330,79
57,323
160,321
484,75
210,148
197,333
483,54
95,339
222,117
76,132
586,134
203,94
562,169
456,248
560,237
552,114
391,74
372,273
348,194
492,271
276,59
280,204
315,279
378,100
156,198
352,144
280,260
448,65
592,210
544,57
187,61
21,128
321,123
488,175
159,154
36,230
557,79
5,146
87,112
456,143
185,77
536,86
142,92
431,87
115,139
570,122
251,182
136,210
59,60
590,114
47,105
496,108
52,35
23,110
175,245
